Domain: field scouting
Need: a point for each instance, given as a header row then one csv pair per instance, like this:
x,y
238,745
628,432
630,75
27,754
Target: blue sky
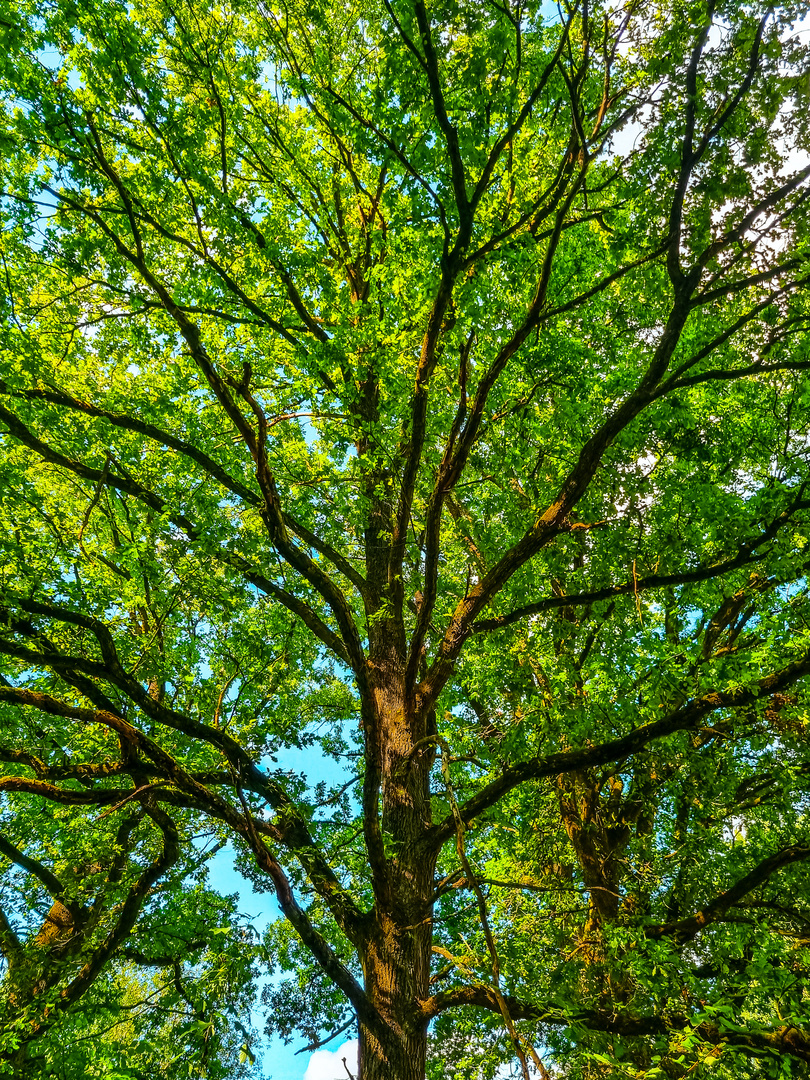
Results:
x,y
281,1062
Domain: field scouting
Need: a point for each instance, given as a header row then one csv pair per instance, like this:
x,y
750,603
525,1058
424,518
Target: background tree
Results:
x,y
359,394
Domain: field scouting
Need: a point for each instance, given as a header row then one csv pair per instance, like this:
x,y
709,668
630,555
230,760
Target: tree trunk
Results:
x,y
396,967
397,950
395,975
398,1059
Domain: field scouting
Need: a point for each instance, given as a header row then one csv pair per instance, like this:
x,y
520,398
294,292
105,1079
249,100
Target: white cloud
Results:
x,y
328,1064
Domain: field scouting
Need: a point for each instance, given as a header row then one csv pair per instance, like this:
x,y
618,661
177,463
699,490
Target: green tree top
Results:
x,y
364,389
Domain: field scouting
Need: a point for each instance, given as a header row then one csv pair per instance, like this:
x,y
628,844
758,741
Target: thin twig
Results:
x,y
133,795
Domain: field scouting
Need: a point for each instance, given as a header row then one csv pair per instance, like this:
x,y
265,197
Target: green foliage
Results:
x,y
414,396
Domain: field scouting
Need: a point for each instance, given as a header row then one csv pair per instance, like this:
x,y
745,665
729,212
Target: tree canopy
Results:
x,y
422,384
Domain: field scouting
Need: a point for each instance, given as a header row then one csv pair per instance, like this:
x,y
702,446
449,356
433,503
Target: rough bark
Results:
x,y
397,950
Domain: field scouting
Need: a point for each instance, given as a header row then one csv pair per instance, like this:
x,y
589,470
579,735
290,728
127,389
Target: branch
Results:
x,y
456,454
686,717
64,796
449,131
10,945
141,427
747,554
550,523
45,876
503,1008
272,514
244,826
685,930
154,502
125,923
292,830
745,86
688,159
322,1042
395,150
415,424
517,124
210,466
787,1039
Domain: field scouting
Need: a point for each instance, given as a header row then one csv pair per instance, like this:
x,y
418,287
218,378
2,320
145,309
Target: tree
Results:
x,y
427,385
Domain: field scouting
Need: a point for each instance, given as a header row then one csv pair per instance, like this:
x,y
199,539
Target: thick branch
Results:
x,y
787,1039
685,930
244,826
684,718
154,502
291,830
124,924
552,521
449,131
747,554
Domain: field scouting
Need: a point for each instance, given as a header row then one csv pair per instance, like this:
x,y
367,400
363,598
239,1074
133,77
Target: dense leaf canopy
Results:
x,y
422,386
